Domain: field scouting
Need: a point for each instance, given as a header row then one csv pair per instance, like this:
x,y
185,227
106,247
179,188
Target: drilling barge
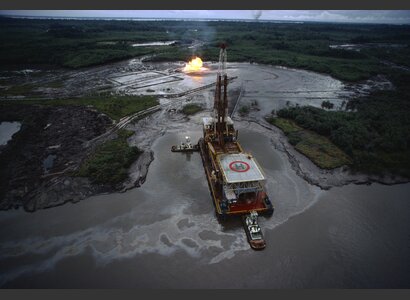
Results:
x,y
235,179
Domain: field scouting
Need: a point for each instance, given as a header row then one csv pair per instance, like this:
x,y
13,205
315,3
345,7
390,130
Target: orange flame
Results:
x,y
194,65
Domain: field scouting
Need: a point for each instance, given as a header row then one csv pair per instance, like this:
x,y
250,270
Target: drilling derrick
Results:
x,y
235,179
221,99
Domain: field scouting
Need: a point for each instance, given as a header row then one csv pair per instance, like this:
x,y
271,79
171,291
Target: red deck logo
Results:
x,y
239,166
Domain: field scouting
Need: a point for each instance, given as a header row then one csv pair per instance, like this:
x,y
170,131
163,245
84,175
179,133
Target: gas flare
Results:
x,y
194,65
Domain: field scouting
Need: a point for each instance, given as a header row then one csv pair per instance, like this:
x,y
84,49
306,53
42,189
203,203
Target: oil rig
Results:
x,y
235,179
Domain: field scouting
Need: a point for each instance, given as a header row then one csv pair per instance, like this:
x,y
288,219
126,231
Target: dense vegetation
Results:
x,y
191,109
115,107
79,43
70,43
375,133
110,162
316,147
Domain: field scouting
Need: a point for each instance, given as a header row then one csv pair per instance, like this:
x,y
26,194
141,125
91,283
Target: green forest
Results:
x,y
82,43
373,131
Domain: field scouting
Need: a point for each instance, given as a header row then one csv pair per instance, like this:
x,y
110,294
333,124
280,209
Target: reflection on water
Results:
x,y
170,215
197,78
188,156
48,162
175,193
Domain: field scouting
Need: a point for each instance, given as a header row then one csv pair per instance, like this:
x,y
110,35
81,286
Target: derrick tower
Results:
x,y
221,98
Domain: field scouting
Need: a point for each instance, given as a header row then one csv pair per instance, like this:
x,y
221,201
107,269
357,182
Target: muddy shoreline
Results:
x,y
49,145
305,168
39,162
69,141
61,189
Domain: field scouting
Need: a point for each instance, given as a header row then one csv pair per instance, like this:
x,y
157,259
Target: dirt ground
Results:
x,y
259,87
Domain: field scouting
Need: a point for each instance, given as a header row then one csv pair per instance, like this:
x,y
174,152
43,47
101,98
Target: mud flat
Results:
x,y
48,145
268,86
184,243
169,237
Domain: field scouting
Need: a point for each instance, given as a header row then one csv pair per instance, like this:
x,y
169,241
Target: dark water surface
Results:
x,y
7,129
165,234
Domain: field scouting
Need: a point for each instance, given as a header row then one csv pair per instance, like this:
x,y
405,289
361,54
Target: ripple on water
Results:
x,y
171,212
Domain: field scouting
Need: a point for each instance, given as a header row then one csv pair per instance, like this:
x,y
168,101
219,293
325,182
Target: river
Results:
x,y
165,234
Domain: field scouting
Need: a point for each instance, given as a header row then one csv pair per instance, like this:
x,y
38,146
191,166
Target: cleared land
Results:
x,y
60,127
374,131
116,107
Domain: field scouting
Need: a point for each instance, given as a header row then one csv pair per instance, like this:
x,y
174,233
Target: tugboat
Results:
x,y
235,179
253,231
185,147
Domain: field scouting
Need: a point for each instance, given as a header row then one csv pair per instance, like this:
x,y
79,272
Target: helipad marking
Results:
x,y
239,166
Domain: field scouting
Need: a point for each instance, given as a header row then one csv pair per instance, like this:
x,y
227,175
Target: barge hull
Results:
x,y
260,206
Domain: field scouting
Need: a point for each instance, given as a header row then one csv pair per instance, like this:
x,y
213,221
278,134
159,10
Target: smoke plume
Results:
x,y
257,14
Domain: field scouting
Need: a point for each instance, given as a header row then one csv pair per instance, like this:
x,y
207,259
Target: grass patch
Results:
x,y
287,126
116,107
317,148
57,84
19,90
110,162
321,150
191,109
244,110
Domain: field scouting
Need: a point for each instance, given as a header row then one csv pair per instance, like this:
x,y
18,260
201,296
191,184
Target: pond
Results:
x,y
7,129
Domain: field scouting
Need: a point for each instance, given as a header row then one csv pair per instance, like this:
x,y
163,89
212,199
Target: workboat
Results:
x,y
185,147
253,231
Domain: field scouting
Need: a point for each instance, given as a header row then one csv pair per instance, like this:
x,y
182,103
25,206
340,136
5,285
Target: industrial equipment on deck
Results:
x,y
185,147
235,178
253,231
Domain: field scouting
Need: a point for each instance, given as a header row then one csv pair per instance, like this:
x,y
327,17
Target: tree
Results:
x,y
327,104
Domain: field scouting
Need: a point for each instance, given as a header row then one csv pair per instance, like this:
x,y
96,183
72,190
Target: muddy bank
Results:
x,y
39,178
37,161
305,168
138,171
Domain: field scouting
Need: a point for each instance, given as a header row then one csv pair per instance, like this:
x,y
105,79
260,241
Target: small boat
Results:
x,y
253,231
185,147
